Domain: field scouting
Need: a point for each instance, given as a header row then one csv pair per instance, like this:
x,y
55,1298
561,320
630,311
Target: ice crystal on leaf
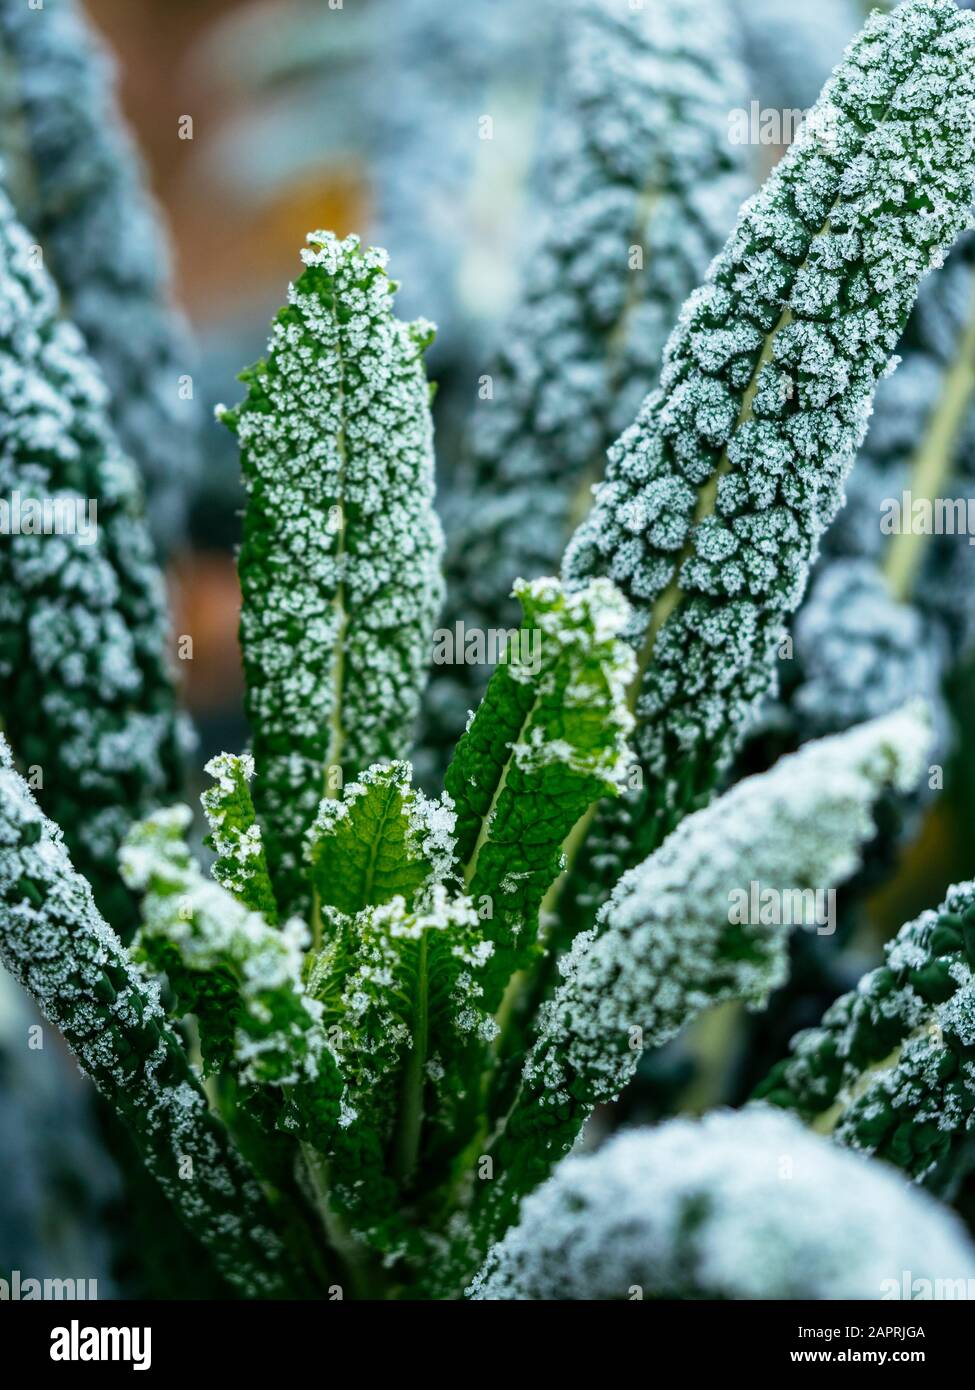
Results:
x,y
85,689
339,562
735,1205
668,943
75,179
889,1070
765,395
640,185
919,448
55,942
888,613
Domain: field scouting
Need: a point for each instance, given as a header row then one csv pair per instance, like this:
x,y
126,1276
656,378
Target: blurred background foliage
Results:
x,y
364,117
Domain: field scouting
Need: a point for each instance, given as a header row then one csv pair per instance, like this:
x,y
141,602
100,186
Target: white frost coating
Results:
x,y
717,496
376,1007
337,459
76,178
888,1070
637,185
54,941
239,847
736,1205
430,831
664,948
567,627
211,929
85,687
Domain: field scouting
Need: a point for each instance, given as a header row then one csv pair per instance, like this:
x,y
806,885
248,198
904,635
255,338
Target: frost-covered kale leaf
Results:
x,y
235,835
339,562
275,1037
77,183
889,612
891,1068
379,840
54,941
86,694
547,741
734,1205
668,945
716,498
637,189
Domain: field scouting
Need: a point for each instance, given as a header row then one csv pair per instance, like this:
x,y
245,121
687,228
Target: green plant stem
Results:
x,y
931,464
414,1077
349,1252
336,740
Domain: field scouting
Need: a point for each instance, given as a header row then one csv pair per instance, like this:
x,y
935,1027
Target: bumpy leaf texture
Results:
x,y
891,1069
639,185
53,940
339,566
716,498
86,695
78,185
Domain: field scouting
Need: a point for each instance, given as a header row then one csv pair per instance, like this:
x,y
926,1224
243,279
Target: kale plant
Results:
x,y
354,1052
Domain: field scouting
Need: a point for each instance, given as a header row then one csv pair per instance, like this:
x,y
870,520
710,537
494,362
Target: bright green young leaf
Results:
x,y
339,566
235,835
278,1039
381,840
548,740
